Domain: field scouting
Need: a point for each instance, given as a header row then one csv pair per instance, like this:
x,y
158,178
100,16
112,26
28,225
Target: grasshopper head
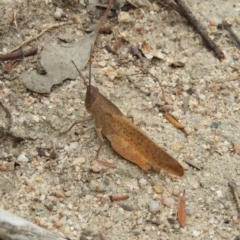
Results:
x,y
91,96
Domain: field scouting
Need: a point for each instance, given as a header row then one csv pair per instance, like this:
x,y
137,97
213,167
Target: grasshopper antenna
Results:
x,y
90,65
85,82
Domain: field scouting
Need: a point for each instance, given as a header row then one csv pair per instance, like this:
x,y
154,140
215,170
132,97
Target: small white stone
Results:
x,y
168,201
142,182
78,161
124,17
102,64
36,118
211,232
22,158
73,145
154,207
219,193
196,233
42,197
111,76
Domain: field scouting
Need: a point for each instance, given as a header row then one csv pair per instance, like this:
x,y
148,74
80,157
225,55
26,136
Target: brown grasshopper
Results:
x,y
126,138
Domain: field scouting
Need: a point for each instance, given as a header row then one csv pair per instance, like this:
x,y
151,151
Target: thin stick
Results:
x,y
233,186
19,54
8,115
39,35
111,50
118,198
14,227
232,34
192,163
104,17
198,27
117,44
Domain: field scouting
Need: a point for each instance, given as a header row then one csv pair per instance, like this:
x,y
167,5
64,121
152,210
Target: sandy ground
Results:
x,y
52,183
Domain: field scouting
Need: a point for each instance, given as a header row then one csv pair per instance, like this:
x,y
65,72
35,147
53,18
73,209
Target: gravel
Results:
x,y
69,195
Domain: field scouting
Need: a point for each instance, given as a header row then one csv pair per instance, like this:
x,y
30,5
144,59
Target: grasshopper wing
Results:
x,y
134,145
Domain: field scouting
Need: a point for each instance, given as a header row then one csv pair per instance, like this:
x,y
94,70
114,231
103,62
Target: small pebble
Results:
x,y
124,17
136,233
37,221
57,15
111,76
62,214
190,210
196,233
195,185
177,147
38,179
157,188
237,19
211,232
142,182
42,197
49,207
3,167
96,167
102,64
167,201
68,193
154,207
78,161
22,158
104,200
57,224
213,22
139,221
176,192
127,207
59,194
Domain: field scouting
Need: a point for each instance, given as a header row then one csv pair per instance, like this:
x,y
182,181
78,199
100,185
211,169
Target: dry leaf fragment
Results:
x,y
181,210
8,67
149,53
173,121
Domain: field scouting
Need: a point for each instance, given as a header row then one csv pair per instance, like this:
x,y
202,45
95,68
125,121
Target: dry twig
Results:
x,y
19,54
192,163
185,12
104,17
8,115
118,198
232,34
111,50
39,35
